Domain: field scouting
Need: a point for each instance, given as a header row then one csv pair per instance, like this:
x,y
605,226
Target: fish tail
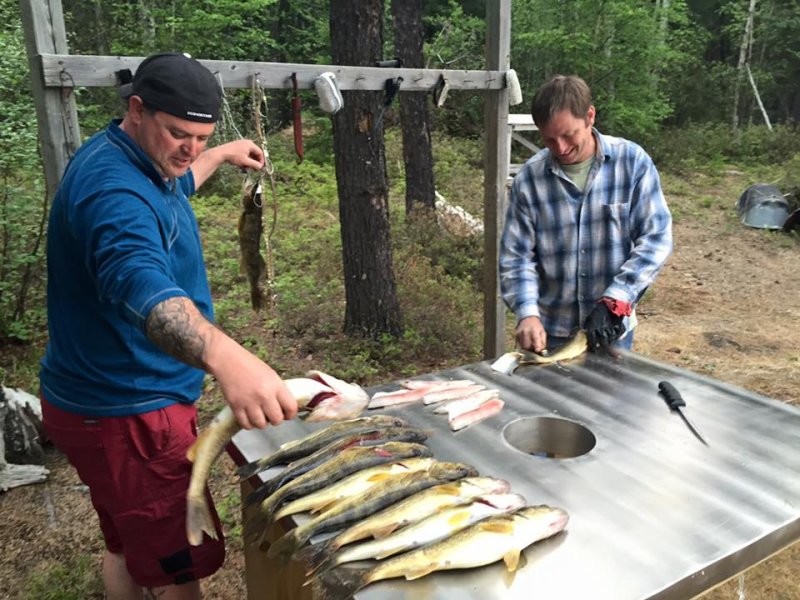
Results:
x,y
248,470
258,523
257,296
316,555
259,494
339,583
199,520
283,548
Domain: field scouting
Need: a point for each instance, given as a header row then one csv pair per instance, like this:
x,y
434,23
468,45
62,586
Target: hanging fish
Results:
x,y
251,230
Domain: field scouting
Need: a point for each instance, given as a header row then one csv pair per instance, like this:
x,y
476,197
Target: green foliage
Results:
x,y
456,40
619,47
708,144
230,29
77,579
21,190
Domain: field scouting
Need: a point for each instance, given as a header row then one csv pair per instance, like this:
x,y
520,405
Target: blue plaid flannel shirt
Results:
x,y
563,249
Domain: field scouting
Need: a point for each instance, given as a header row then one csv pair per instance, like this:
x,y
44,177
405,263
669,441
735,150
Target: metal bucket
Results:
x,y
763,206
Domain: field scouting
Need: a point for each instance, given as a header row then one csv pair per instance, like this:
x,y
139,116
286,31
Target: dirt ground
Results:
x,y
726,305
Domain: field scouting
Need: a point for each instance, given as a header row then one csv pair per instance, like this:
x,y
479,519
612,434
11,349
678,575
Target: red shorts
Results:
x,y
138,474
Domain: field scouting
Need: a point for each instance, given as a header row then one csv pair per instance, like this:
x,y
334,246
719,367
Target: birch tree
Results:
x,y
745,50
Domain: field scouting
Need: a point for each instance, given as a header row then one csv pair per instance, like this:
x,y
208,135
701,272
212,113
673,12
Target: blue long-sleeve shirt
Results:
x,y
563,249
120,241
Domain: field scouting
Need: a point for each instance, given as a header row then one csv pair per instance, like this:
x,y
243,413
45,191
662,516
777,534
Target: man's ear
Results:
x,y
590,114
135,109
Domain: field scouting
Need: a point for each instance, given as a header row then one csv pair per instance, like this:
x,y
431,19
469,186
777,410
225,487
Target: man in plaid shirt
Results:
x,y
587,228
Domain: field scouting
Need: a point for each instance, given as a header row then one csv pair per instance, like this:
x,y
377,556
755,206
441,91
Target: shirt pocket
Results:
x,y
616,218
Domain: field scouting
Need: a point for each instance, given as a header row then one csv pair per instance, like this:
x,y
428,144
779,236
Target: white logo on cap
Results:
x,y
198,114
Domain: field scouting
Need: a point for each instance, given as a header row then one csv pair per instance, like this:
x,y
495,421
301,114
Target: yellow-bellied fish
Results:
x,y
488,541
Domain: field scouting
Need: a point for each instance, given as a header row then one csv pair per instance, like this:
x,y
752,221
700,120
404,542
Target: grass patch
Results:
x,y
75,579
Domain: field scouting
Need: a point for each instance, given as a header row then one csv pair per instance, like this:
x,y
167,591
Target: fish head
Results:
x,y
306,390
415,463
507,363
405,434
342,401
485,485
550,519
338,386
453,470
504,502
403,449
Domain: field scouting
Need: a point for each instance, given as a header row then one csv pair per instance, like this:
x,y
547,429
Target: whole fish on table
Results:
x,y
352,485
305,464
374,499
213,439
405,512
296,449
509,361
348,461
488,541
432,528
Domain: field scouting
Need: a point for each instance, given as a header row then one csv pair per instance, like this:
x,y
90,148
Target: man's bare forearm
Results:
x,y
177,327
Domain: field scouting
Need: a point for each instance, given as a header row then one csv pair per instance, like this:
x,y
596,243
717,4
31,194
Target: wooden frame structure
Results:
x,y
55,74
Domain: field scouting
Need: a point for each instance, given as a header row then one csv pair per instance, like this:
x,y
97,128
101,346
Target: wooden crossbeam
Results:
x,y
74,70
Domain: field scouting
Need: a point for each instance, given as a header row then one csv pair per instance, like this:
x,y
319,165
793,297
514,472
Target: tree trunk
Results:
x,y
148,27
414,113
370,292
744,57
101,30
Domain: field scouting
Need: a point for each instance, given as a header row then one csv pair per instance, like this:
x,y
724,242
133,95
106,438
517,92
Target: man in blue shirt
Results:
x,y
587,228
131,332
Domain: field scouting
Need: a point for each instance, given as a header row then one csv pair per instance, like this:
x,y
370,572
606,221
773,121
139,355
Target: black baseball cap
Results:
x,y
176,84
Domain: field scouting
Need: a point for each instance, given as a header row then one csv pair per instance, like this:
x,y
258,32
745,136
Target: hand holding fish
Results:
x,y
530,335
254,391
243,153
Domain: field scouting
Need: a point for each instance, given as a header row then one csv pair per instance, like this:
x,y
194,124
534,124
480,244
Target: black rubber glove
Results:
x,y
603,328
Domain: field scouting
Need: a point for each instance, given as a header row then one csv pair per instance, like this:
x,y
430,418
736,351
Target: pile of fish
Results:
x,y
373,483
463,401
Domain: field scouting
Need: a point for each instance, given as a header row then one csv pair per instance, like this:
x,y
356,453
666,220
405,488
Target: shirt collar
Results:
x,y
136,155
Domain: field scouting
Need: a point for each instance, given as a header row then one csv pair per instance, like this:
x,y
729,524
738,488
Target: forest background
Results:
x,y
706,86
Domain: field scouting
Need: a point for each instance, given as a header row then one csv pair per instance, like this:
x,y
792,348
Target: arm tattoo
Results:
x,y
169,326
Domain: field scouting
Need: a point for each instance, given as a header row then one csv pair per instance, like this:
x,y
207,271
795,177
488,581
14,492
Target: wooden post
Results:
x,y
267,578
56,112
497,152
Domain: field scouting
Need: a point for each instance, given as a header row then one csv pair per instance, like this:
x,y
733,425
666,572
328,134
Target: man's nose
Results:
x,y
192,146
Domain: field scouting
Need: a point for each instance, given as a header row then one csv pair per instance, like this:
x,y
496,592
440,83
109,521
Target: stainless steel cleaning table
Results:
x,y
654,513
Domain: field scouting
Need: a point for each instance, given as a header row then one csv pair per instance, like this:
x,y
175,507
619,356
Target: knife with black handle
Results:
x,y
675,401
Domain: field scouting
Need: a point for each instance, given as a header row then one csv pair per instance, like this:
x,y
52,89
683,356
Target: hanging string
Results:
x,y
260,116
228,123
252,183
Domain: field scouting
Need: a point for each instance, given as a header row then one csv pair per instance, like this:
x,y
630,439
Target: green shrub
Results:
x,y
709,144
